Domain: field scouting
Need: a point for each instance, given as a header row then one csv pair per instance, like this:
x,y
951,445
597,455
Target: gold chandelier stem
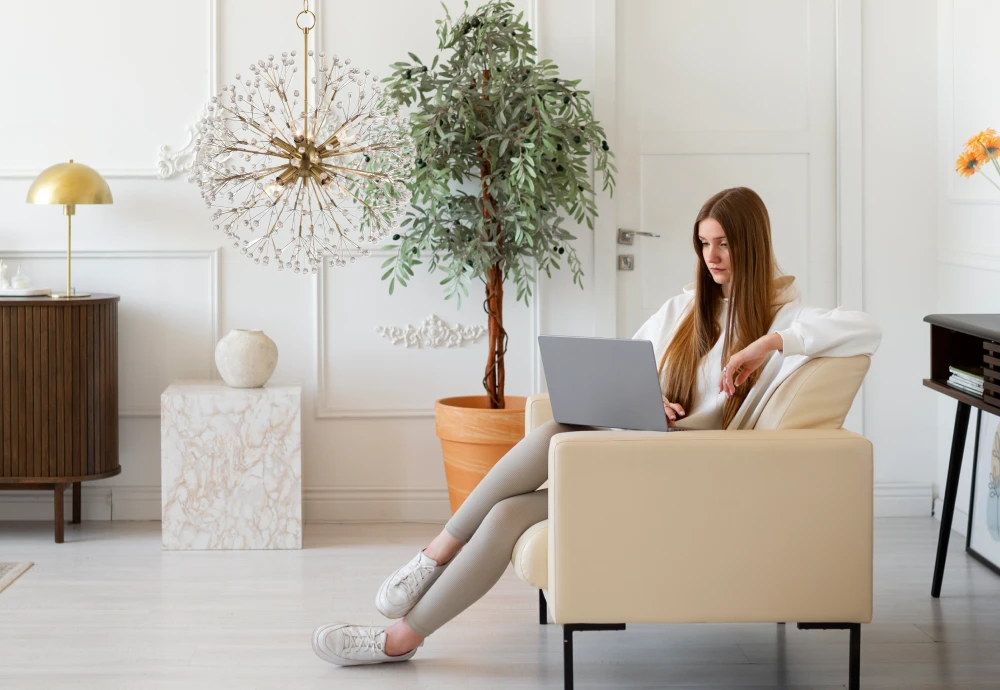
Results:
x,y
305,77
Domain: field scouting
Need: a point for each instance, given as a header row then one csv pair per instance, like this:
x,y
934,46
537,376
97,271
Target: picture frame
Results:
x,y
982,540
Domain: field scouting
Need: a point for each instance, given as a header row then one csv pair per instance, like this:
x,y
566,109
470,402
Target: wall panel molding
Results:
x,y
324,411
985,262
170,162
211,257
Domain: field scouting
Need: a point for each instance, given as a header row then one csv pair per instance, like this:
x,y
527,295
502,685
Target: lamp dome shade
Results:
x,y
69,183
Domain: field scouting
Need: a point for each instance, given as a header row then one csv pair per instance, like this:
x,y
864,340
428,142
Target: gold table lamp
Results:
x,y
69,184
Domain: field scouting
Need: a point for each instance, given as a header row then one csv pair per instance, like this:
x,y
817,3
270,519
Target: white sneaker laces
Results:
x,y
413,579
364,639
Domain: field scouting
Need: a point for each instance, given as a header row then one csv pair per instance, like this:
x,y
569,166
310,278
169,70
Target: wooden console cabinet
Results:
x,y
58,395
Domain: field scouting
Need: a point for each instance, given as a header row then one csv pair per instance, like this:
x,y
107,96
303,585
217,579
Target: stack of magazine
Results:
x,y
969,380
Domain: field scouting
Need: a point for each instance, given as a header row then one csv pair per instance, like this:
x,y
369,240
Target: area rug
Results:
x,y
10,572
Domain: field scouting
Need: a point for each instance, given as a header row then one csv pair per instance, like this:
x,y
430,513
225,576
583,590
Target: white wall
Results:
x,y
968,218
369,448
900,200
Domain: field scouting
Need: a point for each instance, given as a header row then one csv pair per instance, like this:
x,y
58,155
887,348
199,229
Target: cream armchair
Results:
x,y
766,525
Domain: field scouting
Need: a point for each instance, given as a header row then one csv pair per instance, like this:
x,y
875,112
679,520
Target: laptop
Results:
x,y
603,382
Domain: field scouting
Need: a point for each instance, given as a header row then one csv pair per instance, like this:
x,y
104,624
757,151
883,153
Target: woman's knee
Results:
x,y
516,514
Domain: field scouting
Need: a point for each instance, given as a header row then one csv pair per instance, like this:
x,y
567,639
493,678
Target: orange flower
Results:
x,y
977,139
990,144
968,163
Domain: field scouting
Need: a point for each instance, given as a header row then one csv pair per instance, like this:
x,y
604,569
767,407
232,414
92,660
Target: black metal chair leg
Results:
x,y
855,672
543,609
568,631
950,492
568,657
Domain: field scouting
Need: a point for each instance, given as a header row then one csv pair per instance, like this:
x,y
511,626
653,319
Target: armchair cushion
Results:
x,y
531,555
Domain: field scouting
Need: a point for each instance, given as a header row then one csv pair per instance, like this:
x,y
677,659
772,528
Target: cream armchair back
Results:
x,y
769,525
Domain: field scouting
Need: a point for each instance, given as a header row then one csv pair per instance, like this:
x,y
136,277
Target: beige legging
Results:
x,y
490,521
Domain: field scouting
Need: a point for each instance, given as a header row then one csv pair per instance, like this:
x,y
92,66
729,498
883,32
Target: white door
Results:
x,y
723,93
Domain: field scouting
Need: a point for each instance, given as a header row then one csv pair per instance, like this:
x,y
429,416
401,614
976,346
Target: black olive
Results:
x,y
558,147
577,139
420,163
469,263
561,250
527,118
580,187
555,80
604,145
395,237
416,251
475,21
409,74
565,99
559,168
368,159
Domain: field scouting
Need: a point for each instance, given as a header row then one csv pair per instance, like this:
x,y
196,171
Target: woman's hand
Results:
x,y
673,410
744,362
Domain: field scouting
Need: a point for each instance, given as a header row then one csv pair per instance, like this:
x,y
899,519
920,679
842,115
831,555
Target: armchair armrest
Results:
x,y
710,526
537,411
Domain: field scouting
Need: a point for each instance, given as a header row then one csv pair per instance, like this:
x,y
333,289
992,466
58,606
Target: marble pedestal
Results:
x,y
231,464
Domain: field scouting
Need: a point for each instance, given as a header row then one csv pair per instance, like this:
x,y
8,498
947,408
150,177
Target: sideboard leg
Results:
x,y
76,503
57,492
950,491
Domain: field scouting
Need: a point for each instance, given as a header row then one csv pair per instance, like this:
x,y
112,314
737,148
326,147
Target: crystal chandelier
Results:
x,y
293,176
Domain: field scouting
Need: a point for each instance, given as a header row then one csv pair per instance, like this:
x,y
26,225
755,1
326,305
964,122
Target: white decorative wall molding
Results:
x,y
165,150
319,505
174,162
903,499
323,411
377,504
985,262
210,256
432,332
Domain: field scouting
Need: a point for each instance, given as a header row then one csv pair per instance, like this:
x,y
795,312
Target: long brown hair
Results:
x,y
753,298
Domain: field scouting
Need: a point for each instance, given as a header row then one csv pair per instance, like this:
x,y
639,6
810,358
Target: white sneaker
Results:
x,y
353,645
402,590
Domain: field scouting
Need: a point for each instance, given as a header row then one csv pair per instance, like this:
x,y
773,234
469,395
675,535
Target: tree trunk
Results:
x,y
494,379
493,382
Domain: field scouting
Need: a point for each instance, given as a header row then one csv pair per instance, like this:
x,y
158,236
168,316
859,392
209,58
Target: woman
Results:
x,y
711,342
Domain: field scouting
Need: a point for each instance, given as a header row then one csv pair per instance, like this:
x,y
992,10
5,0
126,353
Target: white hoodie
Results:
x,y
805,332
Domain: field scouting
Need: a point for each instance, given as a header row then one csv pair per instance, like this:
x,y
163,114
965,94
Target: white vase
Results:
x,y
246,358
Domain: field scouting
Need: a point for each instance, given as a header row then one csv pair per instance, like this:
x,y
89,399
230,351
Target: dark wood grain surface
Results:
x,y
58,393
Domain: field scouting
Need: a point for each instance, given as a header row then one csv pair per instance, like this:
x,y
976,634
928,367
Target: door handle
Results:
x,y
627,236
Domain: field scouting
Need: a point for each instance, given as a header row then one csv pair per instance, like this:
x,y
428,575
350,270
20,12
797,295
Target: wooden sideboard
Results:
x,y
58,395
965,341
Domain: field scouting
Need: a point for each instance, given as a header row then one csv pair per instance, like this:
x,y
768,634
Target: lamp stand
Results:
x,y
70,211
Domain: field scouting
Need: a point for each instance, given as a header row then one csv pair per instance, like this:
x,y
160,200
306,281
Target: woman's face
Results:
x,y
715,250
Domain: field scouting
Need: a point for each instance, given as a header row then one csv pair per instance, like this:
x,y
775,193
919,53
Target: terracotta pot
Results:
x,y
473,437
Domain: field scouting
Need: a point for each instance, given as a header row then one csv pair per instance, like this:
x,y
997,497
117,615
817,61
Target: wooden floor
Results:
x,y
109,609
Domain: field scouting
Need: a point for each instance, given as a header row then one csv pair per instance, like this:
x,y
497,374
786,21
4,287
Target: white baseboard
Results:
x,y
376,504
348,504
370,504
903,499
959,522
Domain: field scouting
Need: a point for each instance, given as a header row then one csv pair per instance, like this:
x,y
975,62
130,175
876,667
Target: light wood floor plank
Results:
x,y
109,609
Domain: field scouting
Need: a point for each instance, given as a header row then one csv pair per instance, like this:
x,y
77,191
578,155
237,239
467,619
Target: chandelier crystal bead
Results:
x,y
293,174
